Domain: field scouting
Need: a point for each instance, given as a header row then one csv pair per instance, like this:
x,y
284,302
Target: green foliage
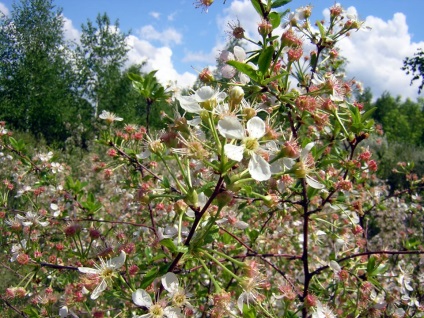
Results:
x,y
37,90
100,56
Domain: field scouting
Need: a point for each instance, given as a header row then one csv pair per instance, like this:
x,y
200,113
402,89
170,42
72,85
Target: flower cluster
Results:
x,y
260,193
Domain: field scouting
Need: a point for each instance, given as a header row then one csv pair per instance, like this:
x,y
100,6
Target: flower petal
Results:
x,y
306,150
259,168
172,312
234,152
189,104
244,79
141,298
99,289
239,53
230,127
256,127
88,270
170,282
228,71
119,261
314,183
204,93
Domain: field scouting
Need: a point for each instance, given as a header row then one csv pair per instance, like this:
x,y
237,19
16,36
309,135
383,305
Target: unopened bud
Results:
x,y
180,207
264,28
205,76
249,112
192,198
157,147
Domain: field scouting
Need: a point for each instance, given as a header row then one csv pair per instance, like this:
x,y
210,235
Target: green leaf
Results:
x,y
368,113
321,29
149,277
245,69
257,7
135,77
169,244
249,312
265,59
371,265
279,3
182,249
275,19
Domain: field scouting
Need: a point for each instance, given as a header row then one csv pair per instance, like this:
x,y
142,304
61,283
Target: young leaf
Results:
x,y
245,69
257,6
274,19
265,59
279,3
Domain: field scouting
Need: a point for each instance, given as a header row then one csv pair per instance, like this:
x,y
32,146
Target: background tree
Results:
x,y
100,58
415,66
37,86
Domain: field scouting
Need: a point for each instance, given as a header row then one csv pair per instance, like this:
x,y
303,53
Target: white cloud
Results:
x,y
4,9
155,15
376,56
238,11
165,37
171,17
242,11
70,32
157,58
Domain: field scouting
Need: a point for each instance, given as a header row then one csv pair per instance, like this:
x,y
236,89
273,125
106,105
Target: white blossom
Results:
x,y
106,271
231,128
141,298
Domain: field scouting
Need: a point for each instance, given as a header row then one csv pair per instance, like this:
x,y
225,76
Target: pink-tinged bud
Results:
x,y
204,4
10,293
133,270
289,38
372,165
72,229
20,292
205,76
335,11
224,198
264,28
311,300
112,152
23,259
290,149
333,53
294,54
180,207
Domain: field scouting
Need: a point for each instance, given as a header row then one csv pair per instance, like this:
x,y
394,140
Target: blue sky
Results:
x,y
178,39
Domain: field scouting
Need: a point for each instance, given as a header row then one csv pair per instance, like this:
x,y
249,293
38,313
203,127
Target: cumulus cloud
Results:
x,y
70,32
165,37
376,56
238,11
157,58
4,9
